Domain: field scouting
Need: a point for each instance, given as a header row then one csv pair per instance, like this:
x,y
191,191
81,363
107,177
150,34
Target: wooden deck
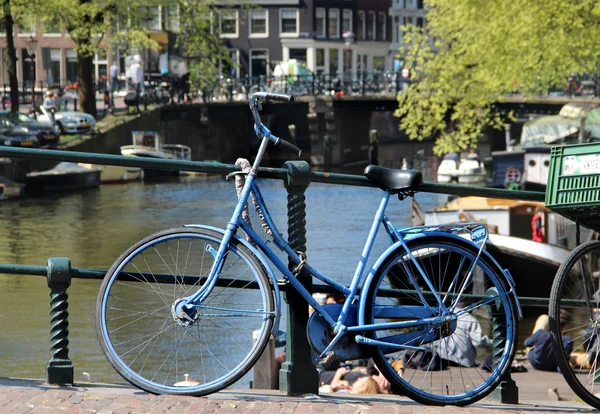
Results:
x,y
533,385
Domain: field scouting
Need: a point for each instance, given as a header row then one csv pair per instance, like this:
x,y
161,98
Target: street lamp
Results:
x,y
348,40
31,44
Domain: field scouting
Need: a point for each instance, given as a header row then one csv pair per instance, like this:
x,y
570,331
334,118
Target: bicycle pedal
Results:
x,y
327,359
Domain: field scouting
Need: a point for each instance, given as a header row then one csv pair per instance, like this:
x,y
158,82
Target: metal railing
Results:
x,y
296,176
323,84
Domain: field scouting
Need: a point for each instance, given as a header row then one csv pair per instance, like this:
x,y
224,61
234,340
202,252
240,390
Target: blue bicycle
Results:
x,y
176,313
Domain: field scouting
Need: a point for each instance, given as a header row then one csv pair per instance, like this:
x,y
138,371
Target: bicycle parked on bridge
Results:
x,y
572,190
176,312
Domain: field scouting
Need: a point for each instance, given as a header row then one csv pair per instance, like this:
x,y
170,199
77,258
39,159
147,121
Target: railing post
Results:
x,y
298,374
60,368
507,391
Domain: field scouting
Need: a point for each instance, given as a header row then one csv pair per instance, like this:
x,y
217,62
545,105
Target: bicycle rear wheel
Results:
x,y
575,305
439,376
157,351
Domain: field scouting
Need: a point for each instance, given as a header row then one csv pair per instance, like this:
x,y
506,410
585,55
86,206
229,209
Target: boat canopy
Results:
x,y
554,129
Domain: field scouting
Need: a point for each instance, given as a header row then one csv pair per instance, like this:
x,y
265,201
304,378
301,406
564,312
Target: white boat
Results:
x,y
466,171
112,174
10,189
533,264
147,144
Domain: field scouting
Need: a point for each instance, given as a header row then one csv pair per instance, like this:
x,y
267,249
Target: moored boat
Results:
x,y
533,261
114,174
147,144
64,176
10,189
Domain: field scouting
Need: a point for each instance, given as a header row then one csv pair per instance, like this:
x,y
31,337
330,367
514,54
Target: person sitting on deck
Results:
x,y
541,356
591,344
357,380
459,349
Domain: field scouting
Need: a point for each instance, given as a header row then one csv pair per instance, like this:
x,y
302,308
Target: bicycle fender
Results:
x,y
393,247
262,260
507,275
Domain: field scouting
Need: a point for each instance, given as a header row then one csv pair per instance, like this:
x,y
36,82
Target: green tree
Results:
x,y
199,37
473,53
88,20
14,11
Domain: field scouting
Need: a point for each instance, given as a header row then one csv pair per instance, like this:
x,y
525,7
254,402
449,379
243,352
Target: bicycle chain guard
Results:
x,y
320,334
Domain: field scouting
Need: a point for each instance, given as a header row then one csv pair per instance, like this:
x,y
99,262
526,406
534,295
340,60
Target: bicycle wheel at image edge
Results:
x,y
447,262
158,353
576,290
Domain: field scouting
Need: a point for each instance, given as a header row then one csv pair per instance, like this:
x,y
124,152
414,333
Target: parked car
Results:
x,y
68,121
12,136
47,135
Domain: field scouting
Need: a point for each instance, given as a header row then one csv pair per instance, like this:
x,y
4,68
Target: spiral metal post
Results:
x,y
60,368
298,374
507,391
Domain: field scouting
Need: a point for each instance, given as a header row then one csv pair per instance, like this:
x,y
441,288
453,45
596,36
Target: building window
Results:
x,y
396,30
26,25
259,23
320,22
362,25
71,64
150,17
334,23
420,4
4,67
378,63
419,22
230,69
51,65
26,68
333,61
228,24
52,27
347,22
320,60
259,59
171,18
371,26
288,22
382,26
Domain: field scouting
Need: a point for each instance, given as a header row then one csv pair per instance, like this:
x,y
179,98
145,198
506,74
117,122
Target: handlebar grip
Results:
x,y
290,147
279,97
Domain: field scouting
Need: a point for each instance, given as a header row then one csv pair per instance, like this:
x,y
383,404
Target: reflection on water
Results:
x,y
93,228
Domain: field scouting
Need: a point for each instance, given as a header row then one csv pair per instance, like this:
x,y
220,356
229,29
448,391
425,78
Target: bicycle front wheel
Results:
x,y
158,352
482,313
574,323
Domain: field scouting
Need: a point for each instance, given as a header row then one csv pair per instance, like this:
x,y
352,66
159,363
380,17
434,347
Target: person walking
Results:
x,y
137,79
114,82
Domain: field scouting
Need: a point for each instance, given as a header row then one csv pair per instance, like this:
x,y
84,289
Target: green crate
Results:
x,y
573,188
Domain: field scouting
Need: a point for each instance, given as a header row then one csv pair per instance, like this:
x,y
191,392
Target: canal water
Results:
x,y
94,227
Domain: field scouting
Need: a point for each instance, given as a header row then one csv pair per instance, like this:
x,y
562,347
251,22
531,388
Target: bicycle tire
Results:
x,y
149,347
569,293
437,253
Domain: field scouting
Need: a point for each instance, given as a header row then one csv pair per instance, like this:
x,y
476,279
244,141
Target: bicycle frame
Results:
x,y
338,326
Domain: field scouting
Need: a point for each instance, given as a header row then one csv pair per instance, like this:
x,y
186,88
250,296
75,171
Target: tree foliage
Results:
x,y
473,53
87,22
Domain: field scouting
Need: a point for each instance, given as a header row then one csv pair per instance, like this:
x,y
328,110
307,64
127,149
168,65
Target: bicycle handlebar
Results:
x,y
290,147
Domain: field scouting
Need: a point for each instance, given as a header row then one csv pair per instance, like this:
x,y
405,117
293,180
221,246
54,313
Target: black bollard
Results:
x,y
60,368
327,151
507,391
373,147
298,374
